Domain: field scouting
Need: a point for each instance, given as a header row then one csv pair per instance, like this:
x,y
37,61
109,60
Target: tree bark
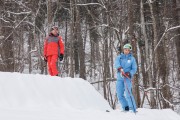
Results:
x,y
176,18
49,14
133,41
155,62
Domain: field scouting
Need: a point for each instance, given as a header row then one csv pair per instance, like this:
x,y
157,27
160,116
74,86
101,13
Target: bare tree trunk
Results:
x,y
81,51
7,42
49,14
71,40
29,50
42,62
66,50
155,40
75,41
176,18
2,37
133,41
146,76
105,56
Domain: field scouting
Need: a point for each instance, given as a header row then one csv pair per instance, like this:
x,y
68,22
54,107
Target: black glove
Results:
x,y
61,57
127,74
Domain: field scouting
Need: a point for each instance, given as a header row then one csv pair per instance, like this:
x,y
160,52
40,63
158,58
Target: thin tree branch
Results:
x,y
15,27
92,4
165,32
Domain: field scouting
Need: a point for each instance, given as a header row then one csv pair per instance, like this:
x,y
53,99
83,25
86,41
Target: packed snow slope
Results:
x,y
41,97
40,91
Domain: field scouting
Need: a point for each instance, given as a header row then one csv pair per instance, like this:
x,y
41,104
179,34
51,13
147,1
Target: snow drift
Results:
x,y
40,91
41,97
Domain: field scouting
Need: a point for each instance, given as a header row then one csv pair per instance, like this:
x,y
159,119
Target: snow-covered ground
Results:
x,y
40,97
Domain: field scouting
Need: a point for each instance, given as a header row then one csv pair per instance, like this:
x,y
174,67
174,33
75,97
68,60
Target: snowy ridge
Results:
x,y
39,91
41,97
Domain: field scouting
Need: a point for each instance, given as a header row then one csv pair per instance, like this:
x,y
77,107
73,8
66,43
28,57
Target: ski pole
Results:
x,y
128,89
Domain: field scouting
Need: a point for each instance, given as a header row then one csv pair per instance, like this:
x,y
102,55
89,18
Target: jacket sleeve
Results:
x,y
61,45
45,47
134,67
117,62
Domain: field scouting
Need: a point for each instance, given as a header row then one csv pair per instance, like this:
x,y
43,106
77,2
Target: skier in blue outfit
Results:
x,y
126,67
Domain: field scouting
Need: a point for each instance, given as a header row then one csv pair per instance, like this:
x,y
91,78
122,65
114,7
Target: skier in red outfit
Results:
x,y
53,48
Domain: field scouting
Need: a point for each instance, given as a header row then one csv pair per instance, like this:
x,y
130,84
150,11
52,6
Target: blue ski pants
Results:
x,y
125,86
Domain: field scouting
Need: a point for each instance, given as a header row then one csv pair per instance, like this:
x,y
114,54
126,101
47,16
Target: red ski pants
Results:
x,y
52,68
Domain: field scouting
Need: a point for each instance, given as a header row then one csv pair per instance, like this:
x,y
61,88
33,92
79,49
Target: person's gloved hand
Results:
x,y
120,69
127,74
61,57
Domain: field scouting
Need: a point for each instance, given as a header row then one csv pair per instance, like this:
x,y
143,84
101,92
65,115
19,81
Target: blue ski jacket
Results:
x,y
127,62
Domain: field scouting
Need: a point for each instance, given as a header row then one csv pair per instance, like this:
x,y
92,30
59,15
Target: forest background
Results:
x,y
92,31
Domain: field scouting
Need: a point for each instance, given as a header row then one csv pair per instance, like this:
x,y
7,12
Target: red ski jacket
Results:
x,y
53,45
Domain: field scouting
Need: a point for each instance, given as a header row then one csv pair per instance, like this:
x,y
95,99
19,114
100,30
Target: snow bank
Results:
x,y
40,91
40,97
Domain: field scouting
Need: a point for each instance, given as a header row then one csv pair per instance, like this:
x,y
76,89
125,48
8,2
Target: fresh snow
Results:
x,y
42,97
